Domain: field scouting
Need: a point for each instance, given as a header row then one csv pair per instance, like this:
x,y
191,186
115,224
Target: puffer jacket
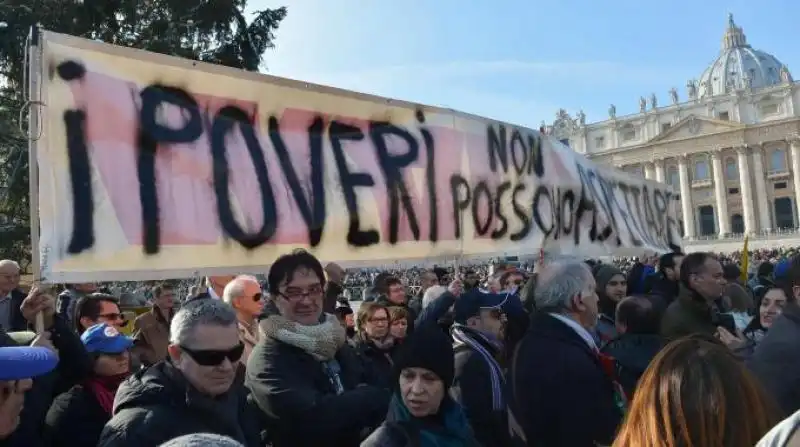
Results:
x,y
158,404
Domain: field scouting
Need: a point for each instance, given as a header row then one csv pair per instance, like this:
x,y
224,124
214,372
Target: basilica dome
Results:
x,y
739,66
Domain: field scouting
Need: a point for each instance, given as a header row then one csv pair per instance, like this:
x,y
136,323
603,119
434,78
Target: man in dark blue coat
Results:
x,y
561,390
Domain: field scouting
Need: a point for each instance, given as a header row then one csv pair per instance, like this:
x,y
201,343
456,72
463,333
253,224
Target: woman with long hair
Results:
x,y
696,393
770,301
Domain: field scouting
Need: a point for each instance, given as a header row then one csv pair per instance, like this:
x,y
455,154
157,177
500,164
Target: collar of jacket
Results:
x,y
695,302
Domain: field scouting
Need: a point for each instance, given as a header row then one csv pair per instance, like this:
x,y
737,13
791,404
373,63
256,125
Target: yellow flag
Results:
x,y
745,260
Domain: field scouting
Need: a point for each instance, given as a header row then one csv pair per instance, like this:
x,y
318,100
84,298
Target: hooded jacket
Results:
x,y
606,329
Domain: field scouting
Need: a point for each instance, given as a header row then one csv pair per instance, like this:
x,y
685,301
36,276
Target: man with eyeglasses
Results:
x,y
196,390
244,295
309,383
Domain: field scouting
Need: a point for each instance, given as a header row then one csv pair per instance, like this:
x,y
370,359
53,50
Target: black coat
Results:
x,y
633,353
378,363
775,361
75,419
157,404
560,394
665,289
472,388
18,322
299,401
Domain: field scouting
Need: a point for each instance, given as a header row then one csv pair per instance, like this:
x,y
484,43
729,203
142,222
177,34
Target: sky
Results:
x,y
519,61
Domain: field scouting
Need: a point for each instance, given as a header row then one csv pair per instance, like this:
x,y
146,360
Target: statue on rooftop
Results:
x,y
691,89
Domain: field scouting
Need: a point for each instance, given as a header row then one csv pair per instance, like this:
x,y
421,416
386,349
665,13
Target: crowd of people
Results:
x,y
672,350
358,281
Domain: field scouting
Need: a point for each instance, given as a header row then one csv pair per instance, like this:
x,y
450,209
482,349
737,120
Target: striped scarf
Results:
x,y
468,337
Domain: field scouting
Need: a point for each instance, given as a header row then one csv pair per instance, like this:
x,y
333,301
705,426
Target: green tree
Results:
x,y
207,30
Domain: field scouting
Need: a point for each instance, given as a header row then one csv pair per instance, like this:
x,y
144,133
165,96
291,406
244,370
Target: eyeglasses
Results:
x,y
296,294
214,357
257,297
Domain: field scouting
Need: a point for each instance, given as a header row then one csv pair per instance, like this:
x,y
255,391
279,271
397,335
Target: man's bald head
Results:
x,y
244,294
639,315
9,276
237,287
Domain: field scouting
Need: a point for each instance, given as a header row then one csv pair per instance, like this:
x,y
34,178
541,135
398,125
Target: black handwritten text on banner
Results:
x,y
161,165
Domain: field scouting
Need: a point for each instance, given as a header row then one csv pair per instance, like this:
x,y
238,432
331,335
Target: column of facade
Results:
x,y
762,202
660,171
720,194
686,198
744,190
794,147
649,171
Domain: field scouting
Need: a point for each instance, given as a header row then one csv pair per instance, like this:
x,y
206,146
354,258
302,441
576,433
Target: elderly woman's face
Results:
x,y
422,391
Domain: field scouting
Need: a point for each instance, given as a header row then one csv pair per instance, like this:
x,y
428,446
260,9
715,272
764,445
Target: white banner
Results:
x,y
152,166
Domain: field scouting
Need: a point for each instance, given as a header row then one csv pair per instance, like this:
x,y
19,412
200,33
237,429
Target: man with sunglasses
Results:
x,y
244,295
478,333
196,390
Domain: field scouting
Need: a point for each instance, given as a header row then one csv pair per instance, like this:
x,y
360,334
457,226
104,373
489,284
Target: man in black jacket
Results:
x,y
560,389
479,382
638,320
307,381
666,282
196,390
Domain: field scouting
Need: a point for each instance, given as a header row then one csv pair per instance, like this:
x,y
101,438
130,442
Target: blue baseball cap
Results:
x,y
105,339
25,362
781,269
470,304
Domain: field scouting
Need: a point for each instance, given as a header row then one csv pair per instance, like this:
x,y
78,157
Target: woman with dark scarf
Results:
x,y
374,341
77,417
611,289
421,412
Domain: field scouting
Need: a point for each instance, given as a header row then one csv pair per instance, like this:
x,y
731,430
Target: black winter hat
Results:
x,y
431,348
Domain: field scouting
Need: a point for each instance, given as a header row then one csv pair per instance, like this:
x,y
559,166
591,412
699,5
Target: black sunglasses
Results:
x,y
214,357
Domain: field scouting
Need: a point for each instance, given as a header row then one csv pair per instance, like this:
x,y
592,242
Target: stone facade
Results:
x,y
731,148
